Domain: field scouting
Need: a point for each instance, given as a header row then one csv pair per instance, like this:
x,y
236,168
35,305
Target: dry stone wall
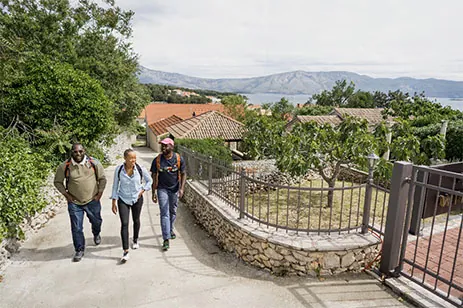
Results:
x,y
277,251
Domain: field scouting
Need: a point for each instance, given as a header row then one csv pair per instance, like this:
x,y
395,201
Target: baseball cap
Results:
x,y
167,141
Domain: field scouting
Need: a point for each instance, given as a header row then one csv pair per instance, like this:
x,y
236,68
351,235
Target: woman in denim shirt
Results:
x,y
128,192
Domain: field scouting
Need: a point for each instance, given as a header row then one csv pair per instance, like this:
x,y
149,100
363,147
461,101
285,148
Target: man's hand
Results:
x,y
140,194
180,193
69,197
155,197
98,196
114,207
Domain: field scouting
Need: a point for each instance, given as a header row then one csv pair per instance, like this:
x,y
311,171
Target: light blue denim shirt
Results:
x,y
127,187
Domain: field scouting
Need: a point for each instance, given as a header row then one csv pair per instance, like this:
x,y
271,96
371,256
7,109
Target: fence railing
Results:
x,y
309,207
423,238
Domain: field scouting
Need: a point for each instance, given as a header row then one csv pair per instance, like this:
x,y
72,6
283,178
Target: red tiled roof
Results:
x,y
160,127
324,119
156,112
212,124
372,115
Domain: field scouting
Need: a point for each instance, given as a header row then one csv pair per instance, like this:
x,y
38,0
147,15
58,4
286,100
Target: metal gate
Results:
x,y
430,253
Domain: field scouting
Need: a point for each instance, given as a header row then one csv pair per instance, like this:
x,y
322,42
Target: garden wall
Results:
x,y
275,250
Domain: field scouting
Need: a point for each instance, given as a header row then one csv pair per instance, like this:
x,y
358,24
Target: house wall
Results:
x,y
153,140
232,145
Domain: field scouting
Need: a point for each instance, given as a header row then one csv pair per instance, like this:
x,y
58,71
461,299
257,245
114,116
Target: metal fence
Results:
x,y
423,237
310,207
378,207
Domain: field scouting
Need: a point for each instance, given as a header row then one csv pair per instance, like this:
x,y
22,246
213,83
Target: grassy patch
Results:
x,y
139,143
302,209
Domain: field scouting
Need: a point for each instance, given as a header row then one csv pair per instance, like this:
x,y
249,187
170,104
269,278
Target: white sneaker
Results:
x,y
135,245
125,257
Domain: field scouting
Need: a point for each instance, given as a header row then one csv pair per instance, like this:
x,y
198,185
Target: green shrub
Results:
x,y
22,174
53,94
209,147
453,139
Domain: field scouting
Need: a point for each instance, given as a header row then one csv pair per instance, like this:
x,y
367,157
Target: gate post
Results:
x,y
419,201
397,207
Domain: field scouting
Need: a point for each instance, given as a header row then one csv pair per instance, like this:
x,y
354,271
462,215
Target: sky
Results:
x,y
238,38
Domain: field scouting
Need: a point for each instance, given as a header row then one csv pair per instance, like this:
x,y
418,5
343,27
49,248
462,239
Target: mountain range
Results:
x,y
302,82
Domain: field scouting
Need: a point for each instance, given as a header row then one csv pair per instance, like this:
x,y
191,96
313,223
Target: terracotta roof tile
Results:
x,y
156,112
160,127
212,124
372,115
324,119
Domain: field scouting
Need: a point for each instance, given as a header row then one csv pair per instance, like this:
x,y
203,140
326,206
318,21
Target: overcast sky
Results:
x,y
238,38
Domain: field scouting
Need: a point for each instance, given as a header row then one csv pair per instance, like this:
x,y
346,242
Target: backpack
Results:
x,y
67,171
139,171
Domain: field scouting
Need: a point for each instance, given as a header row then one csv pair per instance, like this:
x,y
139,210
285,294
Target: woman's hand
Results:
x,y
141,193
114,207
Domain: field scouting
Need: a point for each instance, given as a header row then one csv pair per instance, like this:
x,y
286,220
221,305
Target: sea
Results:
x,y
262,98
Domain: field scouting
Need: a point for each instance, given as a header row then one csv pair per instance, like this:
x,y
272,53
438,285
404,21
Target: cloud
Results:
x,y
238,38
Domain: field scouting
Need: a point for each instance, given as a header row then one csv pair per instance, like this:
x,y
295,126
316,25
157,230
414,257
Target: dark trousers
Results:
x,y
76,214
124,210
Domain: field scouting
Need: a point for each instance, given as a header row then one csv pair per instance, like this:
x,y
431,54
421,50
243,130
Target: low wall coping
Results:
x,y
291,239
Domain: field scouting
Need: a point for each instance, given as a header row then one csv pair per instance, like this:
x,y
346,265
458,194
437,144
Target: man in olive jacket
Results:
x,y
81,180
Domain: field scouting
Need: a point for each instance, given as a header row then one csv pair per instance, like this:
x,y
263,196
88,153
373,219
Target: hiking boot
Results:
x,y
165,245
125,257
173,236
135,245
78,256
97,239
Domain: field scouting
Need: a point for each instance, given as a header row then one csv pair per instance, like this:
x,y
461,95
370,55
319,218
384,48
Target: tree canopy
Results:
x,y
92,38
51,93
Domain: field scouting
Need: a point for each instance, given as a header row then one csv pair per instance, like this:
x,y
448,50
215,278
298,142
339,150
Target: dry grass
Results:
x,y
305,210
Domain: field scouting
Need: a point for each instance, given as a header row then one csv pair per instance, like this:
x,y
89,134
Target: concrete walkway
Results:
x,y
193,273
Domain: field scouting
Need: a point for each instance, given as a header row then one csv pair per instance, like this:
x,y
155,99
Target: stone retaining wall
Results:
x,y
352,175
275,250
121,143
55,202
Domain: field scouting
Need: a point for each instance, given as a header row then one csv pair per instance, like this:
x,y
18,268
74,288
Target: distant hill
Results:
x,y
301,82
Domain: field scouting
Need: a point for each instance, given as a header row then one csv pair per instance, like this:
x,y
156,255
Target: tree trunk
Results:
x,y
331,184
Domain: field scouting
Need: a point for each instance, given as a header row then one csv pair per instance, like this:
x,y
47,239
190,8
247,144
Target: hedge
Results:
x,y
22,174
453,139
209,147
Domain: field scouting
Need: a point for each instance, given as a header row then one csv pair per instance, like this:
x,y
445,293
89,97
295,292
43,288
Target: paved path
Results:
x,y
193,273
443,260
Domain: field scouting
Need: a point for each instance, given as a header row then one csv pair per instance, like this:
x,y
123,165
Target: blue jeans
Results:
x,y
168,202
76,213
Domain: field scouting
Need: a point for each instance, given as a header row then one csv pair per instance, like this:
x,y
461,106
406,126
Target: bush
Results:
x,y
22,174
453,139
53,94
209,147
